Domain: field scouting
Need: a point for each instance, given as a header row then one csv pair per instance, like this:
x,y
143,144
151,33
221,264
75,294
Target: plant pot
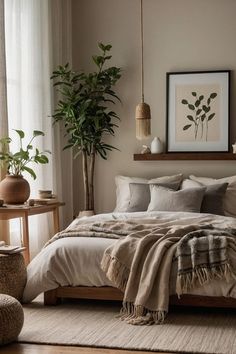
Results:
x,y
14,189
86,213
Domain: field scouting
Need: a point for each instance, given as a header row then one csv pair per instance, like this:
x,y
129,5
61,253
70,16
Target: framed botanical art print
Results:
x,y
198,111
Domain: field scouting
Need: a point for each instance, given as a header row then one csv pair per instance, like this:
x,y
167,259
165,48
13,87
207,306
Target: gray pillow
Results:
x,y
213,199
139,197
188,200
140,194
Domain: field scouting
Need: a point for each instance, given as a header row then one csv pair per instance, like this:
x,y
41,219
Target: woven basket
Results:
x,y
11,319
12,275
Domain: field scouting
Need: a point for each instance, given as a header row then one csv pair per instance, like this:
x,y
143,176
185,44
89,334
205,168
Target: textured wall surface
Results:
x,y
179,35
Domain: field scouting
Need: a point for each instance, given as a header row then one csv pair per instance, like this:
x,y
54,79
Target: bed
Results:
x,y
72,267
59,269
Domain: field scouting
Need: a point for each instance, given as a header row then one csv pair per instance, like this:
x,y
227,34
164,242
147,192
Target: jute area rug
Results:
x,y
94,324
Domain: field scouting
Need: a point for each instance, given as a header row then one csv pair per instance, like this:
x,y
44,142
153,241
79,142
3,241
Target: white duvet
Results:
x,y
75,261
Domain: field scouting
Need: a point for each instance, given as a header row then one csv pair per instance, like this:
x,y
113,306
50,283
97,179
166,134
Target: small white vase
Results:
x,y
156,146
234,148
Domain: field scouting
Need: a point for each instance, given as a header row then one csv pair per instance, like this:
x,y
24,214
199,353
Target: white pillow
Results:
x,y
123,190
166,179
229,200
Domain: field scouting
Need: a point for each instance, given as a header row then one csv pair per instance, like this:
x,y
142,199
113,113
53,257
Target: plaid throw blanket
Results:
x,y
202,255
139,262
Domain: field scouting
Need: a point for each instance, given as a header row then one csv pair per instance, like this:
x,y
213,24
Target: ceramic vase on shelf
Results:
x,y
234,148
156,146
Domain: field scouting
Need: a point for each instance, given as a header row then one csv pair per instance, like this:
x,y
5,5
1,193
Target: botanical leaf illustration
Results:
x,y
199,111
187,126
200,118
190,118
211,116
213,95
191,106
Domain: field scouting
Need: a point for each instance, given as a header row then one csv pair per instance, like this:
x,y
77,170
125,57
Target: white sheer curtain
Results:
x,y
34,44
4,232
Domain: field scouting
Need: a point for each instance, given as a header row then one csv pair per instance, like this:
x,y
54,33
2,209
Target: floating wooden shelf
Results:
x,y
186,156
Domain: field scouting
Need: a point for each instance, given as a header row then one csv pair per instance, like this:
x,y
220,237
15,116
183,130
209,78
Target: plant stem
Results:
x,y
91,180
201,129
206,128
196,125
85,177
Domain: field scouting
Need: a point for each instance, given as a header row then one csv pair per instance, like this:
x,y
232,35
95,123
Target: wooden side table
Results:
x,y
24,211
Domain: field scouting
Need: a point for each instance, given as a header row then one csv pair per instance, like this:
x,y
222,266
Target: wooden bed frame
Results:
x,y
53,297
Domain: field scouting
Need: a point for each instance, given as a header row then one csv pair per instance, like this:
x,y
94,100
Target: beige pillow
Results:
x,y
140,194
123,188
229,200
188,200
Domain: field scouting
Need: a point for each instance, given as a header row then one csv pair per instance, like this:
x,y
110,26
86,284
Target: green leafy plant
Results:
x,y
84,110
17,162
201,115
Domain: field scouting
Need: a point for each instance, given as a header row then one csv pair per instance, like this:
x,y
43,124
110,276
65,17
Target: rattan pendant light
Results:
x,y
143,112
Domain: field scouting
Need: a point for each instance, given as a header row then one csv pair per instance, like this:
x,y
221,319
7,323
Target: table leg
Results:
x,y
4,234
25,225
56,220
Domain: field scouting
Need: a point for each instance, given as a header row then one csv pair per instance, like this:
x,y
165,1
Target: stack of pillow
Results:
x,y
173,193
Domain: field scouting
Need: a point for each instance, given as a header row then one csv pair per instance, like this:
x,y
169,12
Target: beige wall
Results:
x,y
180,35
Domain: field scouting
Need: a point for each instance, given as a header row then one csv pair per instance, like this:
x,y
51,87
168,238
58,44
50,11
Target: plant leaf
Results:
x,y
30,171
187,126
190,118
211,116
213,95
203,117
184,101
38,133
191,106
199,111
20,133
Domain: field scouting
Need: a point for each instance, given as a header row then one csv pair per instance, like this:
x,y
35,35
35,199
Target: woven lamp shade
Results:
x,y
143,121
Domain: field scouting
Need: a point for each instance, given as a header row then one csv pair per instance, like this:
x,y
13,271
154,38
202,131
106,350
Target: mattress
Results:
x,y
75,261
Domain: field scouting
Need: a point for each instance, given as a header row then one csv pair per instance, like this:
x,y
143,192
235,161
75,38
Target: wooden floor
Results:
x,y
58,349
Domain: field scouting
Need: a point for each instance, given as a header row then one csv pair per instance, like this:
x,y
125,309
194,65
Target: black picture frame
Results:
x,y
198,111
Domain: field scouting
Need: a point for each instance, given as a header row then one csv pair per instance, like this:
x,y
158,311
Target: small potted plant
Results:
x,y
85,110
14,189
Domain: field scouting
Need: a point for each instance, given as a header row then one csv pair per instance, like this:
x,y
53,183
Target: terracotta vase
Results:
x,y
14,189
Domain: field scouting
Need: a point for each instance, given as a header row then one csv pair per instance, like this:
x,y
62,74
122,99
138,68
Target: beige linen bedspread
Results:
x,y
75,261
139,263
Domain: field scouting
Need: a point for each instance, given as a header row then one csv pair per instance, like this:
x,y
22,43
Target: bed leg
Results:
x,y
50,298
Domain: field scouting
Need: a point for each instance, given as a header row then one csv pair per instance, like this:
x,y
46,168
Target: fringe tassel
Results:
x,y
139,315
143,128
201,276
115,271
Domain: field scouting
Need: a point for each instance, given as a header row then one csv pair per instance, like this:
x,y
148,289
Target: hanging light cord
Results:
x,y
141,34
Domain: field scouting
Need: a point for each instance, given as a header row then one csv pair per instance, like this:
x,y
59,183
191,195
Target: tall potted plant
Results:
x,y
84,111
14,189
